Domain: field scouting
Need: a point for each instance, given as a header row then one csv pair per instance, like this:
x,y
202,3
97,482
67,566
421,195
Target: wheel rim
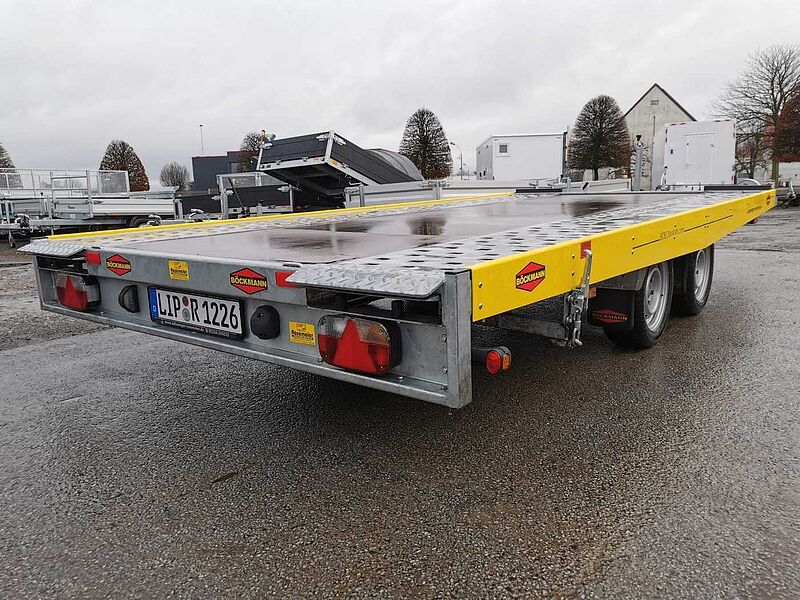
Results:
x,y
655,294
702,275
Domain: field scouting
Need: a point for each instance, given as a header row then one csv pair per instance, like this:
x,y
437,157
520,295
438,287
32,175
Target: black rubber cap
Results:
x,y
265,322
129,298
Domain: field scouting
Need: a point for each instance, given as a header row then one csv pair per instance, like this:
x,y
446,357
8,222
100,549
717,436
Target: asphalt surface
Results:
x,y
132,466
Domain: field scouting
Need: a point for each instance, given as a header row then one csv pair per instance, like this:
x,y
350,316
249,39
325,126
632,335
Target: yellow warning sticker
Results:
x,y
179,269
302,333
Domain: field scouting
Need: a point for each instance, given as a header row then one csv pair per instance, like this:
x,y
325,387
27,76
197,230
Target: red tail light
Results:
x,y
76,292
358,344
496,360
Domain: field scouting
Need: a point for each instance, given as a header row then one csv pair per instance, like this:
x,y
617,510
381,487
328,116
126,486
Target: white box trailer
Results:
x,y
790,172
699,152
519,157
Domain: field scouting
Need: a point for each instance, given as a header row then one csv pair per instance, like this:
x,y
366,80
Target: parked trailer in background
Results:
x,y
521,157
386,296
37,200
699,152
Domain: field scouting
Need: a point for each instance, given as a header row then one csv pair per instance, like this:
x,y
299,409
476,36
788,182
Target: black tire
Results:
x,y
644,334
137,221
691,288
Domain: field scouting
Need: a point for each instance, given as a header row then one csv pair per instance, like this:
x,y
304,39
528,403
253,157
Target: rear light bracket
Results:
x,y
428,311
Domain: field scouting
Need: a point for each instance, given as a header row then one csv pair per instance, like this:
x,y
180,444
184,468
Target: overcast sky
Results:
x,y
76,74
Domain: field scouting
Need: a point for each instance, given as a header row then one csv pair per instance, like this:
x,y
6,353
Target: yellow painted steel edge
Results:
x,y
515,281
314,214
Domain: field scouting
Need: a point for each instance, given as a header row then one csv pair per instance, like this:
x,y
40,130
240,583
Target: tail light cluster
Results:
x,y
76,291
360,345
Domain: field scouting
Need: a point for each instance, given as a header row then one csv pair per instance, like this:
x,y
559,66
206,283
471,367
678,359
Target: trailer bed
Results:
x,y
435,237
473,258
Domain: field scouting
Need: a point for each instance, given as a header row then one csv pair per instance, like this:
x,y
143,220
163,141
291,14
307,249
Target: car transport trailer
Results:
x,y
386,296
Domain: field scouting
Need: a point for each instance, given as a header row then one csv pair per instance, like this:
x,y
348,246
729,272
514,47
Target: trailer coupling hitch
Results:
x,y
575,304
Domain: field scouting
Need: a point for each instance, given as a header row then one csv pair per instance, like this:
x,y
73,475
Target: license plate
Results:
x,y
215,316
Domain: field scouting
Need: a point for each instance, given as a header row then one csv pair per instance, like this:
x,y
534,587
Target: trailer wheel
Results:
x,y
138,222
695,273
651,309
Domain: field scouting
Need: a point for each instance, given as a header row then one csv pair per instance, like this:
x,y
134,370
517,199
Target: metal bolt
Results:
x,y
573,256
444,370
399,378
480,284
444,337
480,306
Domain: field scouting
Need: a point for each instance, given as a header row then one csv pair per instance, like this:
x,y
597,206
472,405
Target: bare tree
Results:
x,y
174,174
757,97
752,152
5,159
600,137
248,151
120,156
787,133
425,143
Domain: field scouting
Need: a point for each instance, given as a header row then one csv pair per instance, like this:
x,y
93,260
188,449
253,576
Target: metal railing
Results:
x,y
37,192
39,183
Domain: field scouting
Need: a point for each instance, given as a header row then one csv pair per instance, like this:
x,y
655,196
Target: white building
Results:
x,y
648,117
521,156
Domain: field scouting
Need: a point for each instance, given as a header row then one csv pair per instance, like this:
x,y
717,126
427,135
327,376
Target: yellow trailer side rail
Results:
x,y
516,281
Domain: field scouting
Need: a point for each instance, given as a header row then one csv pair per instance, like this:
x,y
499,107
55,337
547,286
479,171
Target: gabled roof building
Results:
x,y
648,117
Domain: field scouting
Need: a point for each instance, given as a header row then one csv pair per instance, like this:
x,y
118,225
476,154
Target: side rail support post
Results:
x,y
457,319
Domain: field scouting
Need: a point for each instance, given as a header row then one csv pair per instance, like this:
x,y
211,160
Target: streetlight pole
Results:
x,y
460,160
202,148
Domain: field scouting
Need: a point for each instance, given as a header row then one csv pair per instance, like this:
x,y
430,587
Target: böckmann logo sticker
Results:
x,y
249,281
119,265
530,276
606,315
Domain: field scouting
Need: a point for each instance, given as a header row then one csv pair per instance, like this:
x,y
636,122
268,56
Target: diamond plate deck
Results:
x,y
458,255
405,250
414,283
53,248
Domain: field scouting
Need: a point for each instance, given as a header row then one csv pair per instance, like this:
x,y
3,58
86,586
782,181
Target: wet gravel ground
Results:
x,y
137,467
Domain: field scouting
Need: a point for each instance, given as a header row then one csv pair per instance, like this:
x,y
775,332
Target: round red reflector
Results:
x,y
494,362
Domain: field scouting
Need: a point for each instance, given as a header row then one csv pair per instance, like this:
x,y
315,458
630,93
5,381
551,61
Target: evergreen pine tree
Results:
x,y
600,137
5,159
425,143
120,156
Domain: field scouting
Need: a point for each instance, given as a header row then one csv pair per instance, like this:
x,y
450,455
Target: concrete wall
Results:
x,y
648,118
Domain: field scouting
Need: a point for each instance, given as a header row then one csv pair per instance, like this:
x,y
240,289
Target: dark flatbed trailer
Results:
x,y
326,163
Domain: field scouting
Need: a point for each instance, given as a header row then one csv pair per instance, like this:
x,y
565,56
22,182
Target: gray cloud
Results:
x,y
77,74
